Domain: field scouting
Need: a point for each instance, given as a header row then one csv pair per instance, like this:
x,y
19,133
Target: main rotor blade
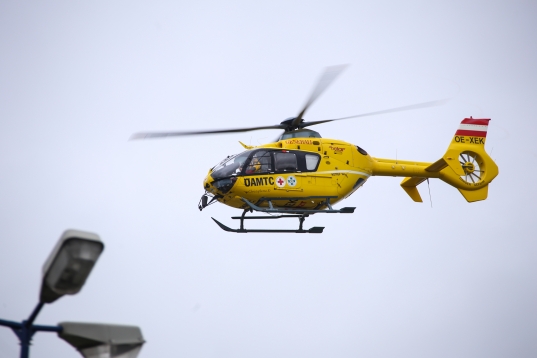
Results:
x,y
149,135
328,76
391,110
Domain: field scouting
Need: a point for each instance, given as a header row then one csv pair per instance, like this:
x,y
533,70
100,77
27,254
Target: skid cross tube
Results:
x,y
243,217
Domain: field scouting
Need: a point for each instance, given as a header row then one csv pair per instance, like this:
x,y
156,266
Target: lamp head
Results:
x,y
69,264
94,340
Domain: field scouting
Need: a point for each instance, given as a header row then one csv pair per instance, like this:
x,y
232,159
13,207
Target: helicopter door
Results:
x,y
286,167
259,170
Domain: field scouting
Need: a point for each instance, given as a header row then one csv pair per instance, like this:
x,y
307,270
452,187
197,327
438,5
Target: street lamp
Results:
x,y
64,273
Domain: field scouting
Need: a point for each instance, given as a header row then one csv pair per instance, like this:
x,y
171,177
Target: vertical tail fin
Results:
x,y
474,169
470,135
473,128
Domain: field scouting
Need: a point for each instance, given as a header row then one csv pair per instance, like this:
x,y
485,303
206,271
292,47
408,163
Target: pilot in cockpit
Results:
x,y
254,166
260,163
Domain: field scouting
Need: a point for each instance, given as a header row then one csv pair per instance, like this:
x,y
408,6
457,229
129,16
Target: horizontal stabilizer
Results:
x,y
437,166
452,159
449,159
410,184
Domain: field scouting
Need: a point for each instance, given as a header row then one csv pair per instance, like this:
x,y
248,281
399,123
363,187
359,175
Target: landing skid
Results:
x,y
299,213
301,218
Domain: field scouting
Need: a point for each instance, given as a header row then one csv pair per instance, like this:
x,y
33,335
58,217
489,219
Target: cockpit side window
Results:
x,y
260,163
285,162
312,160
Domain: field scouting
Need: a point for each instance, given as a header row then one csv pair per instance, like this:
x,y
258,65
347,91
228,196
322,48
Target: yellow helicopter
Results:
x,y
301,173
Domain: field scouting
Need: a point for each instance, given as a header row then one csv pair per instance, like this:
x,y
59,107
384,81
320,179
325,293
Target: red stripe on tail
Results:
x,y
482,122
467,133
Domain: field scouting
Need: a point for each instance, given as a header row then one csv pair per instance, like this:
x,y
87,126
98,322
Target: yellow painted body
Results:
x,y
341,166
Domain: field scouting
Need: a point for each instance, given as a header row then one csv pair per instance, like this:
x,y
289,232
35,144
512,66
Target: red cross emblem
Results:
x,y
280,182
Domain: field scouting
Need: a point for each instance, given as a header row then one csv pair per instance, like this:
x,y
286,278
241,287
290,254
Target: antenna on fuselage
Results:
x,y
430,197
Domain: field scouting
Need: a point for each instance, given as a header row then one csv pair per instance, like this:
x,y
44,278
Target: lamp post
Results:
x,y
64,273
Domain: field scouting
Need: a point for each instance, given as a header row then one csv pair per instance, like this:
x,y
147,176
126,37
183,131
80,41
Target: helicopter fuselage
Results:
x,y
291,173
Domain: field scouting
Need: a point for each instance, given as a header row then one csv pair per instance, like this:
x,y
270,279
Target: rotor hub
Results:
x,y
289,124
468,167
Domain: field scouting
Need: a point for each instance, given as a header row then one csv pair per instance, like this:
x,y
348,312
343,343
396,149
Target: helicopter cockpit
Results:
x,y
231,165
260,161
246,163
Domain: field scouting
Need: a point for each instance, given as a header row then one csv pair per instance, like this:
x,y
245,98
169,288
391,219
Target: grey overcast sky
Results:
x,y
395,279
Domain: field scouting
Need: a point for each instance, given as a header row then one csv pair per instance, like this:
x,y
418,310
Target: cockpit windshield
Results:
x,y
229,166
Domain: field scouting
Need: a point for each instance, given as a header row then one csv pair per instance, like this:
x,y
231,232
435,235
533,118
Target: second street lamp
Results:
x,y
95,340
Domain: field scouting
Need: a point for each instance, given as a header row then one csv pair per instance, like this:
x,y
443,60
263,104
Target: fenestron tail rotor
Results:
x,y
472,169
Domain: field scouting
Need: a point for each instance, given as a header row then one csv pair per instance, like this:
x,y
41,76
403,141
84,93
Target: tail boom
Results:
x,y
465,165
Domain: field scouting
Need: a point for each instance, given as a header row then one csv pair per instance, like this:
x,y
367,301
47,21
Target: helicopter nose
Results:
x,y
218,186
207,183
